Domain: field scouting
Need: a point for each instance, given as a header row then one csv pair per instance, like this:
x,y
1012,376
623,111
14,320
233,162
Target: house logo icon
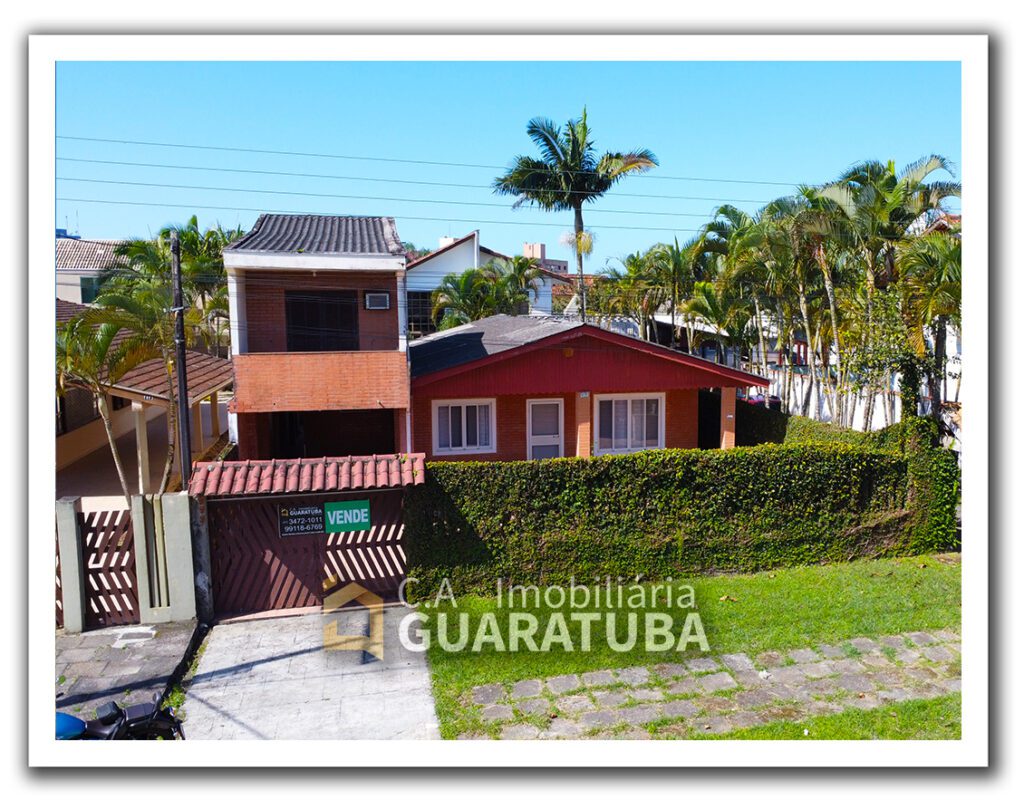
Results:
x,y
373,642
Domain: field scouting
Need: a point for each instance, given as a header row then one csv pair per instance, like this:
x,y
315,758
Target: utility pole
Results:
x,y
184,431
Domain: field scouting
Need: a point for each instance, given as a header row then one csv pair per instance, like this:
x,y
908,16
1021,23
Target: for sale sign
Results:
x,y
292,520
352,515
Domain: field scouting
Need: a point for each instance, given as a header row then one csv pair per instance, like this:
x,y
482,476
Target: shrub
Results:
x,y
666,513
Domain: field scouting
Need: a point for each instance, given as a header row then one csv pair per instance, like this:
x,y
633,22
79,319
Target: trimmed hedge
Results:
x,y
666,513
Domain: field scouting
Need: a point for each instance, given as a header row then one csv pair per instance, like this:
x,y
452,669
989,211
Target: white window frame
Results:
x,y
629,397
529,425
436,404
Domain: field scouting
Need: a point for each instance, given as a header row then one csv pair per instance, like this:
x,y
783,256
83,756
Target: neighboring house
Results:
x,y
424,275
84,463
318,337
79,264
516,388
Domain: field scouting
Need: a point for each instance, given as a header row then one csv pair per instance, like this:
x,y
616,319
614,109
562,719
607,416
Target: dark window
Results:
x,y
90,288
421,321
321,321
119,403
75,409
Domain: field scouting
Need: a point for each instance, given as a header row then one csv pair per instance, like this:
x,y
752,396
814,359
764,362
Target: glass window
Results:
x,y
464,427
316,320
628,424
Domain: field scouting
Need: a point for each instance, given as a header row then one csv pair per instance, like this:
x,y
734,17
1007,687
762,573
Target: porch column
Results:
x,y
214,416
728,422
197,426
584,431
141,444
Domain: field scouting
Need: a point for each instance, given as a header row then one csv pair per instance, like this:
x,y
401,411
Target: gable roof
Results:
x,y
480,339
85,254
435,253
491,339
321,235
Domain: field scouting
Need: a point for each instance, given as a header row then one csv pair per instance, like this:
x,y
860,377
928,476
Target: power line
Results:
x,y
329,156
348,196
321,213
374,179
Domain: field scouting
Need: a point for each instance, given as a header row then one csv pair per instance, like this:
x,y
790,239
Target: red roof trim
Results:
x,y
741,378
306,475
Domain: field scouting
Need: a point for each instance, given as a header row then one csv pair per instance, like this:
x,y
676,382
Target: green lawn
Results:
x,y
937,718
778,610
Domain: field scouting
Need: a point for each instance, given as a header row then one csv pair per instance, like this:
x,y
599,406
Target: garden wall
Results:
x,y
674,512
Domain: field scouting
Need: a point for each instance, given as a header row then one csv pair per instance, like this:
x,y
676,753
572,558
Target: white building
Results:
x,y
424,275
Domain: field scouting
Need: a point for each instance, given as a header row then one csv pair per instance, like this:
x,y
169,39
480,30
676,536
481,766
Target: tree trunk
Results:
x,y
101,403
936,374
578,231
826,272
810,345
760,342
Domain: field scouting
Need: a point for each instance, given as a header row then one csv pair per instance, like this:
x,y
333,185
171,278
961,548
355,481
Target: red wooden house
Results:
x,y
516,388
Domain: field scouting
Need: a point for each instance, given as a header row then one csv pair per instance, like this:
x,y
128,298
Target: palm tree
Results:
x,y
930,277
568,175
635,290
88,357
724,307
140,305
464,297
520,278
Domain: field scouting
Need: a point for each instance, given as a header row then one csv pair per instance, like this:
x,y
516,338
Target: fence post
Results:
x,y
201,559
178,553
72,564
140,531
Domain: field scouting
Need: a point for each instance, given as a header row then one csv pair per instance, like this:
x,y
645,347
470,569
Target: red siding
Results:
x,y
680,424
583,363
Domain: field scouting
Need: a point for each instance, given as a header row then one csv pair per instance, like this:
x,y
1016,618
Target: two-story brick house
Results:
x,y
318,325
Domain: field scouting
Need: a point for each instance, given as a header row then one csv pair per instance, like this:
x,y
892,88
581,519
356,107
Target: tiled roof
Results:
x,y
302,475
68,309
204,372
322,235
85,254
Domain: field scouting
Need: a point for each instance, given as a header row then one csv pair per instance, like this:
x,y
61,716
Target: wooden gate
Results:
x,y
255,569
108,553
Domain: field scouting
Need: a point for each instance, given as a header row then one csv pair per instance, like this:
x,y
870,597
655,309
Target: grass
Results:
x,y
937,718
777,610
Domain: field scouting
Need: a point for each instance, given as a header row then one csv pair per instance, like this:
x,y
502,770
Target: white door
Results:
x,y
543,429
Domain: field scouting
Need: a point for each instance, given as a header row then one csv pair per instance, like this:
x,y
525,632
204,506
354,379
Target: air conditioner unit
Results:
x,y
378,300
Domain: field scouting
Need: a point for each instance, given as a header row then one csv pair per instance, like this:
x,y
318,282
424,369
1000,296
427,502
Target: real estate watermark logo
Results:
x,y
371,643
658,617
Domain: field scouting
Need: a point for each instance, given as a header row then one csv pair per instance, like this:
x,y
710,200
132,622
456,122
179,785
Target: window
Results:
x,y
90,287
421,320
321,321
630,423
464,426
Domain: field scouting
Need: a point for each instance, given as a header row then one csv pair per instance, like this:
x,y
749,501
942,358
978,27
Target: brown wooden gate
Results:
x,y
108,553
255,569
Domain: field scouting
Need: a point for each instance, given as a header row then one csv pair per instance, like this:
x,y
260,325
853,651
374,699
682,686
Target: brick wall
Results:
x,y
265,310
332,380
680,424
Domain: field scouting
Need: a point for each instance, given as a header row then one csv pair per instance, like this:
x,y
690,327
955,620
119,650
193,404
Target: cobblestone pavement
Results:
x,y
717,694
273,679
123,663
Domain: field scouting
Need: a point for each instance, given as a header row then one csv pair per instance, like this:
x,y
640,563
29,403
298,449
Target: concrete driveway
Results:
x,y
272,679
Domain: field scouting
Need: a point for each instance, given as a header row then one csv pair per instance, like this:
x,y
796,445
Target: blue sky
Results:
x,y
766,125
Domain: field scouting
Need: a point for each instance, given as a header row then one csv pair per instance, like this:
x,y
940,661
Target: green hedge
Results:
x,y
674,512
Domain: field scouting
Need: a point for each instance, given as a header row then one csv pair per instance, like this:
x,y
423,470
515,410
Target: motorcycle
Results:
x,y
146,720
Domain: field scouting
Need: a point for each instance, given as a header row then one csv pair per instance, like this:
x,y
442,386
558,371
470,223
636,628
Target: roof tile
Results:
x,y
321,235
296,475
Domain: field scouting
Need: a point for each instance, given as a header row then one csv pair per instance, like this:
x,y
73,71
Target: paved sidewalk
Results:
x,y
712,695
126,664
272,679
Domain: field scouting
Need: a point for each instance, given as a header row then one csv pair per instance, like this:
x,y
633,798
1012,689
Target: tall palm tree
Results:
x,y
520,278
636,290
568,175
930,274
